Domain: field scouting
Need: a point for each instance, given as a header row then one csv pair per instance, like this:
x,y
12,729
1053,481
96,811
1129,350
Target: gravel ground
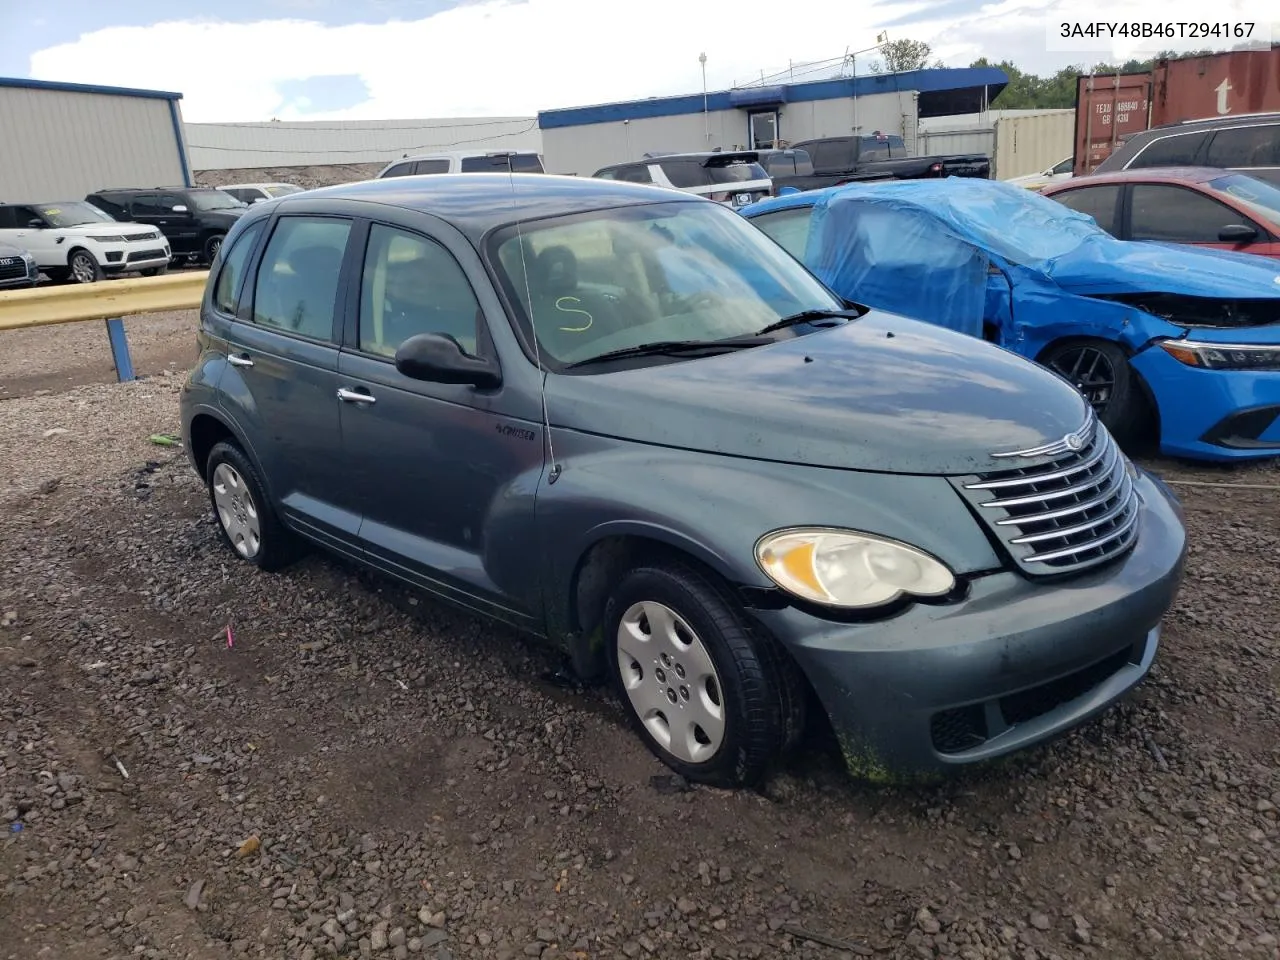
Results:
x,y
306,177
357,771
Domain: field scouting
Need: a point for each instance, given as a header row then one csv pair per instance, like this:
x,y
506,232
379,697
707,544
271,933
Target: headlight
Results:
x,y
842,568
107,238
1224,356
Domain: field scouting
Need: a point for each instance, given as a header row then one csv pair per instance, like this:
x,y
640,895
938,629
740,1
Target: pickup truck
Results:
x,y
876,157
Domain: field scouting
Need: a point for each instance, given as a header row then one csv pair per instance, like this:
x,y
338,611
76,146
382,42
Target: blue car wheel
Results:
x,y
1100,371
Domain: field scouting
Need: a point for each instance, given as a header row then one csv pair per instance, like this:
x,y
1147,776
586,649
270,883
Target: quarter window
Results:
x,y
439,165
1097,202
413,285
224,294
400,170
1176,214
147,205
789,228
298,278
1245,147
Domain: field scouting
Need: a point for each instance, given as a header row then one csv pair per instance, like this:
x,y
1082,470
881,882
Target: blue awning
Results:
x,y
758,96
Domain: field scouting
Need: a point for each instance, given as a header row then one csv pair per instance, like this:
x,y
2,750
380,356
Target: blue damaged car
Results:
x,y
620,418
1163,340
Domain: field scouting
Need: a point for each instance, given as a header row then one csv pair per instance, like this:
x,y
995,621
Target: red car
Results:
x,y
1203,206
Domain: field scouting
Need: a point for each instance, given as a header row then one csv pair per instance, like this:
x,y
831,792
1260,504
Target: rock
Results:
x,y
331,928
1264,806
926,921
434,919
433,937
1039,921
378,937
396,937
686,906
194,893
55,432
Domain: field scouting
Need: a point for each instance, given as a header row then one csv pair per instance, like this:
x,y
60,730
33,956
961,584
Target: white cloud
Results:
x,y
499,57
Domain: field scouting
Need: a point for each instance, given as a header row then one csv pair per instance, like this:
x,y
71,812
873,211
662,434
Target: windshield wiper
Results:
x,y
805,316
670,347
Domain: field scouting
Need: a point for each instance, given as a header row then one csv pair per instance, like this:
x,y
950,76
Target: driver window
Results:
x,y
413,285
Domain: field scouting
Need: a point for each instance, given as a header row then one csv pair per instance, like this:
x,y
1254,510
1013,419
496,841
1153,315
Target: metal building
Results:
x,y
60,141
309,143
581,140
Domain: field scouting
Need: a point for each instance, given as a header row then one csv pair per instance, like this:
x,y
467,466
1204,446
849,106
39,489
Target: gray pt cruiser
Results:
x,y
623,419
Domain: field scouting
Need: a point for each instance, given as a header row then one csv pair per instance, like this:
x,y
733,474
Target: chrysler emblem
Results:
x,y
1071,443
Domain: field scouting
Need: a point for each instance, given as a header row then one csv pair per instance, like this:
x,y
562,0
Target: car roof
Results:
x,y
1183,174
1243,119
476,203
457,155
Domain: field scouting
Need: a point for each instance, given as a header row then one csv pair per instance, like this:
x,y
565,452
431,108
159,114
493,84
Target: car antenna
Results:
x,y
554,473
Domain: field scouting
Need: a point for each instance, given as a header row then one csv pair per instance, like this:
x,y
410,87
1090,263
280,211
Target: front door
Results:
x,y
178,226
763,129
281,382
446,476
1177,214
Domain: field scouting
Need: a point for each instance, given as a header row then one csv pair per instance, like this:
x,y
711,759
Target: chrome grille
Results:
x,y
1070,513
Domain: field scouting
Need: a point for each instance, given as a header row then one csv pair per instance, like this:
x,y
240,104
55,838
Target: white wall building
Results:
x,y
60,141
581,140
311,143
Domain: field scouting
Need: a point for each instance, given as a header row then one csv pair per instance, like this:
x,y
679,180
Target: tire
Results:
x,y
212,245
246,518
154,271
1100,370
738,723
82,267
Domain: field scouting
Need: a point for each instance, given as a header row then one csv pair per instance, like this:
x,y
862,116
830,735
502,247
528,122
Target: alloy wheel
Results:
x,y
236,511
1090,371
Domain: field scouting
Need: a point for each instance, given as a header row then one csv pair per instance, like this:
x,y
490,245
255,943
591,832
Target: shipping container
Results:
x,y
1226,84
1108,109
1111,107
1031,143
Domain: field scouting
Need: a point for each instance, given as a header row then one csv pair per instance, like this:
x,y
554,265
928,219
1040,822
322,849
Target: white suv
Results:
x,y
465,161
735,178
77,241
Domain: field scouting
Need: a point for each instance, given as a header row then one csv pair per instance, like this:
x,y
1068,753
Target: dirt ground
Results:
x,y
306,177
201,761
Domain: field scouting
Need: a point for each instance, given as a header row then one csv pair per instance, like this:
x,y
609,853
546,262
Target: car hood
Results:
x,y
109,228
1102,265
883,393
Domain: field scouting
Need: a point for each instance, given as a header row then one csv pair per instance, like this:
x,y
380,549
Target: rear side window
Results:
x,y
1178,150
781,165
501,163
413,285
788,228
298,278
1245,147
685,173
735,172
527,163
438,165
833,154
1097,202
635,173
147,205
400,170
1163,212
224,294
804,163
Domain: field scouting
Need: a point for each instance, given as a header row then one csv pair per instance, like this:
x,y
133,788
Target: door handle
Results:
x,y
354,396
240,360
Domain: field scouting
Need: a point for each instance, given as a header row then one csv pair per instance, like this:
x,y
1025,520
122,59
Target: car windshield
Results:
x,y
73,214
281,189
594,283
1260,197
214,200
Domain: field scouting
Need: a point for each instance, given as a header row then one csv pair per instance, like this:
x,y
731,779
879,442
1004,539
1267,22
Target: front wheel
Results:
x,y
246,519
1100,370
712,699
83,268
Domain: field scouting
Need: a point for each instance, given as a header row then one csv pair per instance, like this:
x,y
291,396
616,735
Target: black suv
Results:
x,y
194,219
1249,143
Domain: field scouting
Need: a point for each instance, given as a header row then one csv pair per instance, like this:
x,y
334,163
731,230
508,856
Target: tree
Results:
x,y
897,56
1026,91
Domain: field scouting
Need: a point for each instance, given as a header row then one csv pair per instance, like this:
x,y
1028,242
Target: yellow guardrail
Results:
x,y
108,300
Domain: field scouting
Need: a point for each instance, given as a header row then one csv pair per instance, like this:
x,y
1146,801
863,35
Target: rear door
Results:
x,y
1253,149
1176,214
1102,202
157,210
281,383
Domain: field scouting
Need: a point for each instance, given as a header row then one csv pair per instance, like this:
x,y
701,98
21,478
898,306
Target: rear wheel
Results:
x,y
211,247
1100,370
711,698
246,518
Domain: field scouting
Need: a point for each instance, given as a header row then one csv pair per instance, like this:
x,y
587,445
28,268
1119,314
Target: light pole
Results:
x,y
881,39
706,117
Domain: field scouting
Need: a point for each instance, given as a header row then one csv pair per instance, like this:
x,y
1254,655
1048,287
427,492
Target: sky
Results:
x,y
253,60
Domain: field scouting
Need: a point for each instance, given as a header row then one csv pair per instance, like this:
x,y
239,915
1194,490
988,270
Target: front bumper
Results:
x,y
1218,415
128,258
1014,664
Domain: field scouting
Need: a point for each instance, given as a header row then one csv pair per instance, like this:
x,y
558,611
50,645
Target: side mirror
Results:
x,y
1237,233
179,208
35,224
436,358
